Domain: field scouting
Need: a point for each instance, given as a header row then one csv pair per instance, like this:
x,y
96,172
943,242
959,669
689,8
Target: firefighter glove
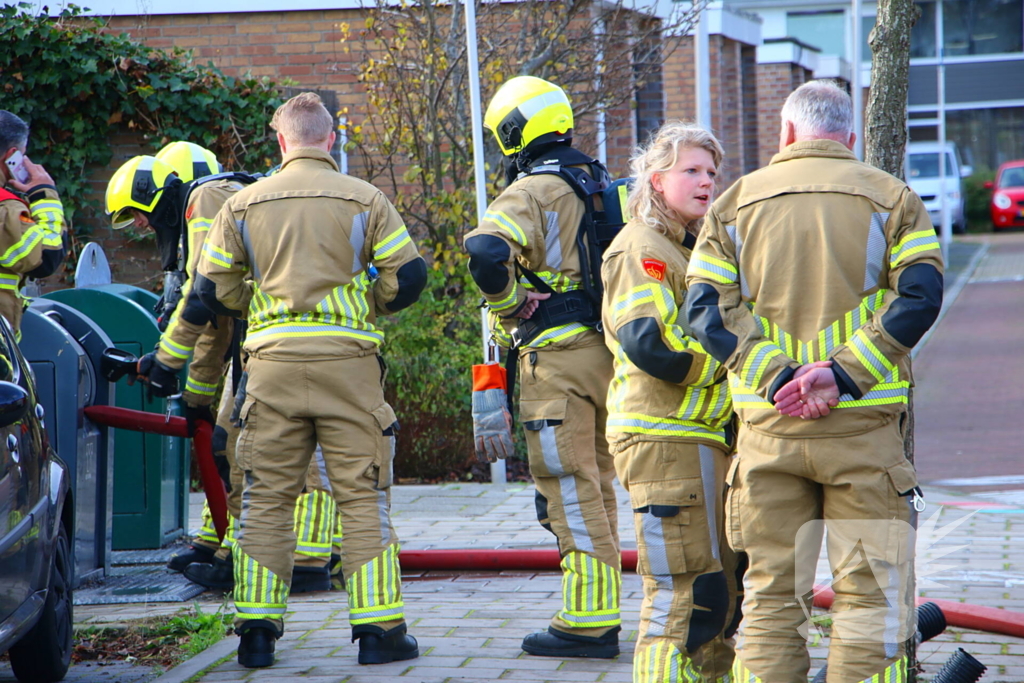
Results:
x,y
162,380
196,414
492,423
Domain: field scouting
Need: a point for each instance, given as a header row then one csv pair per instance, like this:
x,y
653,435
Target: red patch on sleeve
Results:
x,y
188,213
654,268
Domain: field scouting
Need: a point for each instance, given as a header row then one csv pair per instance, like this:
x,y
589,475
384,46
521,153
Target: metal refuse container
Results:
x,y
64,348
151,472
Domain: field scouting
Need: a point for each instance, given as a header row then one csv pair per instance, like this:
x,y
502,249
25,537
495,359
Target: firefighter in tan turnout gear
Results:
x,y
178,189
525,259
31,223
669,417
812,280
313,257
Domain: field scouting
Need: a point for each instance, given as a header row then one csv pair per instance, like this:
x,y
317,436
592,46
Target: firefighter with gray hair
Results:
x,y
812,281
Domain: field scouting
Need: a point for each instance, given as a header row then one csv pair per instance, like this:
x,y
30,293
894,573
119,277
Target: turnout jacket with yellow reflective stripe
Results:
x,y
816,257
190,321
534,221
665,385
31,242
295,250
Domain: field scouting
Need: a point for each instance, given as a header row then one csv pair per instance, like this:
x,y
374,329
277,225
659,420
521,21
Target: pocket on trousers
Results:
x,y
382,469
733,528
247,437
548,437
671,526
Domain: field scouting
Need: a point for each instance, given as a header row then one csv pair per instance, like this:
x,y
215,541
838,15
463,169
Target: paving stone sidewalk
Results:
x,y
470,625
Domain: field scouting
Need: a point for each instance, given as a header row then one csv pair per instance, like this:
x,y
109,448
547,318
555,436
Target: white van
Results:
x,y
922,171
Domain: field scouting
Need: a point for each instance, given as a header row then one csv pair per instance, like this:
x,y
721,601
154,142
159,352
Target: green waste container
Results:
x,y
151,472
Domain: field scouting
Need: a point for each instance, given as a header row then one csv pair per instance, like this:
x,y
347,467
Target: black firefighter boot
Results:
x,y
192,554
220,575
554,643
377,646
256,647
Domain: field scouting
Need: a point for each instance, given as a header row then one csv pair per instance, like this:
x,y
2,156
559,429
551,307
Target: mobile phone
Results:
x,y
16,162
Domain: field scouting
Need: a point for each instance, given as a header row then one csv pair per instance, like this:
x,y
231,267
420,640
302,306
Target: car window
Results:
x,y
1012,177
926,165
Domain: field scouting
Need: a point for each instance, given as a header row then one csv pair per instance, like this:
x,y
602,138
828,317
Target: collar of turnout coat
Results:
x,y
314,153
814,148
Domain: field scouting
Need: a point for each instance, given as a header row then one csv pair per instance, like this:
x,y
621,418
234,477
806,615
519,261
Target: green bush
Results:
x,y
976,197
75,84
430,349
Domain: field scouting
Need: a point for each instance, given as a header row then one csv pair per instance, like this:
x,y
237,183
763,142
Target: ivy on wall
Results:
x,y
76,85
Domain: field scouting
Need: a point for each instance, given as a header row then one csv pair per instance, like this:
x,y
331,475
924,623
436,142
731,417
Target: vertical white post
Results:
x,y
480,177
856,89
702,66
946,232
602,132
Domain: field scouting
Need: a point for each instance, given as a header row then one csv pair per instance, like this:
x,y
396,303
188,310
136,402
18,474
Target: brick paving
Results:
x,y
470,625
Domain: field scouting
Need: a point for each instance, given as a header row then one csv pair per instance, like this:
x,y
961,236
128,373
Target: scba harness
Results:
x,y
605,213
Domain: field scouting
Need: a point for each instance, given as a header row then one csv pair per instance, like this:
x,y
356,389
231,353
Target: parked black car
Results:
x,y
35,508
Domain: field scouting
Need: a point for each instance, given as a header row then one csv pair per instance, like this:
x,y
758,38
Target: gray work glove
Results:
x,y
492,425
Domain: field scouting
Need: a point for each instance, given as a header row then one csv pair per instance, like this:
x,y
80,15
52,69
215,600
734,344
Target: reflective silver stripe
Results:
x,y
357,239
712,494
737,242
552,242
247,241
384,506
272,611
574,514
661,603
321,466
654,544
892,614
875,250
360,615
549,449
535,105
582,620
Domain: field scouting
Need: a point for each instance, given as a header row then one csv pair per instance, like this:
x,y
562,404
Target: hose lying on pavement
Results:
x,y
930,623
960,668
958,614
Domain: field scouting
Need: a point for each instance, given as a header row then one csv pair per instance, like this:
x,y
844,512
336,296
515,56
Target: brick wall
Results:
x,y
774,83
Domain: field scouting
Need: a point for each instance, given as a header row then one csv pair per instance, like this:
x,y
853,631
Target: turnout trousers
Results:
x,y
290,408
562,408
315,511
692,578
784,495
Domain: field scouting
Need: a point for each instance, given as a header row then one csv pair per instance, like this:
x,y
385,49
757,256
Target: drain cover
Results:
x,y
140,583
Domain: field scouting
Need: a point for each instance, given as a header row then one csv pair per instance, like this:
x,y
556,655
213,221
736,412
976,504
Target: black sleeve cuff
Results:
x,y
844,382
38,192
784,378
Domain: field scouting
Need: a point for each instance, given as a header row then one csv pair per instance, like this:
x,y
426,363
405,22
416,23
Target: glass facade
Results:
x,y
824,30
970,27
986,138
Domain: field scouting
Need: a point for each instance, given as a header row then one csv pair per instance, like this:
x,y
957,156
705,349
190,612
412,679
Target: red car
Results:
x,y
1007,204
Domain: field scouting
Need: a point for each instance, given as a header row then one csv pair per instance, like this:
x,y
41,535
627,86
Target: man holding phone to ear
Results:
x,y
31,221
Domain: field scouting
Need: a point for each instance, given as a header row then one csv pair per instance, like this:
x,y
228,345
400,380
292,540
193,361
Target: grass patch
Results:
x,y
154,641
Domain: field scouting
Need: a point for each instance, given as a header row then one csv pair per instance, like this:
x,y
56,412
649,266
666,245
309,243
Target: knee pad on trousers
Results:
x,y
710,592
742,562
542,510
220,439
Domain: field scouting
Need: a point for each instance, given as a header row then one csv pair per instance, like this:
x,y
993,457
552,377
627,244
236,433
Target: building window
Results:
x,y
922,36
982,27
824,30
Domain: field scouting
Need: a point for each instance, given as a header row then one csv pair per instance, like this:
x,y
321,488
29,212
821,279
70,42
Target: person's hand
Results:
x,y
196,414
533,300
37,175
161,380
492,425
811,394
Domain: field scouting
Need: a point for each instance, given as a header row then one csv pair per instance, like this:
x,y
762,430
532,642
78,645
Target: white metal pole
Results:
x,y
602,132
702,66
946,233
856,90
480,176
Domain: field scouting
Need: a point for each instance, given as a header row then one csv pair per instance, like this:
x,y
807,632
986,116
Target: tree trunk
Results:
x,y
885,144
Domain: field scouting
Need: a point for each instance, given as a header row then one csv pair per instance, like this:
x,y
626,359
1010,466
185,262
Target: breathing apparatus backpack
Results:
x,y
174,279
605,213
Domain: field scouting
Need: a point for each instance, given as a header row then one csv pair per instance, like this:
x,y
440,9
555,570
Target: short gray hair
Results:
x,y
820,108
13,132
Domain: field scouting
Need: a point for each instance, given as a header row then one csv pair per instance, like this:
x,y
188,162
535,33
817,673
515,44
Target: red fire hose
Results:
x,y
152,423
960,614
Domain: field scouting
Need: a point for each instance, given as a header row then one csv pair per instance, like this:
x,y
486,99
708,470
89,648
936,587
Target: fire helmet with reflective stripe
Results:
x,y
189,160
136,185
527,110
